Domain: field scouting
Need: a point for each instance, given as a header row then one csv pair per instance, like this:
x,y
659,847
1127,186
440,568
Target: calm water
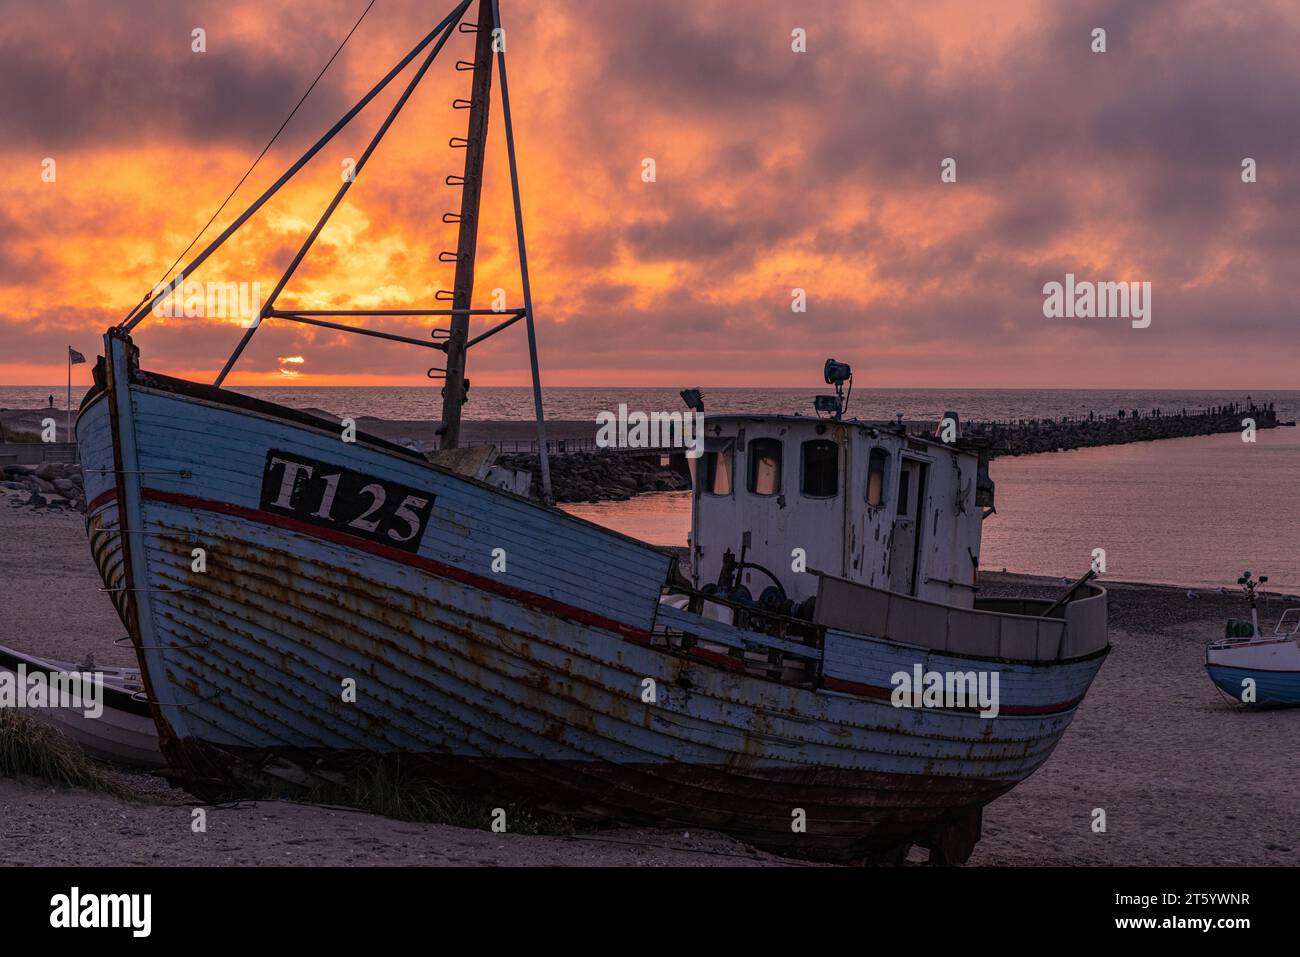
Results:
x,y
1186,511
1194,511
419,402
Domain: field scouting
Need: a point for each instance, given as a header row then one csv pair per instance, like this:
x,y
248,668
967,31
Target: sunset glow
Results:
x,y
776,171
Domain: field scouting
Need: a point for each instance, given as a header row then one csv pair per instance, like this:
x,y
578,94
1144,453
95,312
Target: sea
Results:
x,y
1193,511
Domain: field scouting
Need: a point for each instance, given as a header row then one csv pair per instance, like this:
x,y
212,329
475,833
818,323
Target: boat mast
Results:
x,y
454,394
455,389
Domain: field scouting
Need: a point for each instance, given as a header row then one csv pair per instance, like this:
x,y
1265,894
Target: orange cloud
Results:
x,y
775,171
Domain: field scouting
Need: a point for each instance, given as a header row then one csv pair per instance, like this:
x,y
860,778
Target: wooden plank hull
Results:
x,y
524,680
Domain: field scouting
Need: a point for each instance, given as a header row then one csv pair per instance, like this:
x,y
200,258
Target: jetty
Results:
x,y
1031,436
586,473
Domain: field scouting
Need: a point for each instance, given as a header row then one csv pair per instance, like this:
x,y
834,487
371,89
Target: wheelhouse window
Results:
x,y
765,467
821,469
719,467
877,466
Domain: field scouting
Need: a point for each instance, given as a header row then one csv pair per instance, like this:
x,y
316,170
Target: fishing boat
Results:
x,y
305,601
123,731
1254,669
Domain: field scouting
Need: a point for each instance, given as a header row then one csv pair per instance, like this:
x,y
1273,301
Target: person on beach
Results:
x,y
51,402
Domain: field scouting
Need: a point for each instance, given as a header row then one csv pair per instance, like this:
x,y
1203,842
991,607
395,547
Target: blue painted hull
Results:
x,y
1273,689
524,681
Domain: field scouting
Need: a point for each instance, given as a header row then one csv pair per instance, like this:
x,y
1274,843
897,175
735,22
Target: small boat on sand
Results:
x,y
124,731
1252,668
820,677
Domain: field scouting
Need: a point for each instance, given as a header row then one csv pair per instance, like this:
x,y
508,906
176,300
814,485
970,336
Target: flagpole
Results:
x,y
67,432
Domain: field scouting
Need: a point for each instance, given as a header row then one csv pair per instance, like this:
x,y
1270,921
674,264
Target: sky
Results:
x,y
775,170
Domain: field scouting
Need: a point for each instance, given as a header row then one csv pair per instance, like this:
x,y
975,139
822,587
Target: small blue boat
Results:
x,y
1254,669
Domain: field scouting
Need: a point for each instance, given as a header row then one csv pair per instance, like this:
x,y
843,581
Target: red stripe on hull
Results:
x,y
531,598
885,694
405,558
103,498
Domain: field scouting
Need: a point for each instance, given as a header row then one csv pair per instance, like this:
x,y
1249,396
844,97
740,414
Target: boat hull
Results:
x,y
1259,673
123,733
509,655
1272,689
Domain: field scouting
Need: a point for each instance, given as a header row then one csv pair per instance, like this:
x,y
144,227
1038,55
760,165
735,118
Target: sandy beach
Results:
x,y
1182,776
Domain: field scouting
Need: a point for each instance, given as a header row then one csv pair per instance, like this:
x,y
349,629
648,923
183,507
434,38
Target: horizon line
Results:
x,y
737,388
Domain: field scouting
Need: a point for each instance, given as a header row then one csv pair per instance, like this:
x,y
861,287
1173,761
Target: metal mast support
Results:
x,y
453,391
338,196
144,308
543,458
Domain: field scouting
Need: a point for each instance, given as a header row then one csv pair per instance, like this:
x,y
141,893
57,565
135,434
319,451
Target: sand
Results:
x,y
77,828
50,599
1182,776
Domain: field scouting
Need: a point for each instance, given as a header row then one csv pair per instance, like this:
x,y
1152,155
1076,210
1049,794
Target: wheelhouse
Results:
x,y
788,497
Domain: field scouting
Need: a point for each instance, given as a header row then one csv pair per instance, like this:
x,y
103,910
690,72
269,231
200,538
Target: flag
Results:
x,y
75,357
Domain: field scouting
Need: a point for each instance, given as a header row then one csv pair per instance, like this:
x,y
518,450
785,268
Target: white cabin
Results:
x,y
864,501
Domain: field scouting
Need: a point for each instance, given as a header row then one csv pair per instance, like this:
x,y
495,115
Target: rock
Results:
x,y
37,500
65,487
47,471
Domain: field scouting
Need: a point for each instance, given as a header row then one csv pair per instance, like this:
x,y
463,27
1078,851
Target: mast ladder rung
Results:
x,y
449,257
461,104
469,28
458,143
443,295
464,66
454,180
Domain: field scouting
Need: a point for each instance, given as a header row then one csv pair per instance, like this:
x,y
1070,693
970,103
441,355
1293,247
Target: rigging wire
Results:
x,y
260,155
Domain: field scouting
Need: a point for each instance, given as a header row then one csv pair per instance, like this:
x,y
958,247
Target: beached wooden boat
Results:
x,y
302,604
124,733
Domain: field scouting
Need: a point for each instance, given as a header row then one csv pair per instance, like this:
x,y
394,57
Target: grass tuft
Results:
x,y
381,787
30,748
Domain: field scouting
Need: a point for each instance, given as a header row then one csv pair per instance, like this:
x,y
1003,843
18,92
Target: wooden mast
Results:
x,y
454,390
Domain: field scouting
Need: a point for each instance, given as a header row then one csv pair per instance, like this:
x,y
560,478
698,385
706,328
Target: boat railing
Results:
x,y
1289,624
1005,628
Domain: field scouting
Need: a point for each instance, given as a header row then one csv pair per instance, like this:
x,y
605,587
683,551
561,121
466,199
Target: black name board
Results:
x,y
331,496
